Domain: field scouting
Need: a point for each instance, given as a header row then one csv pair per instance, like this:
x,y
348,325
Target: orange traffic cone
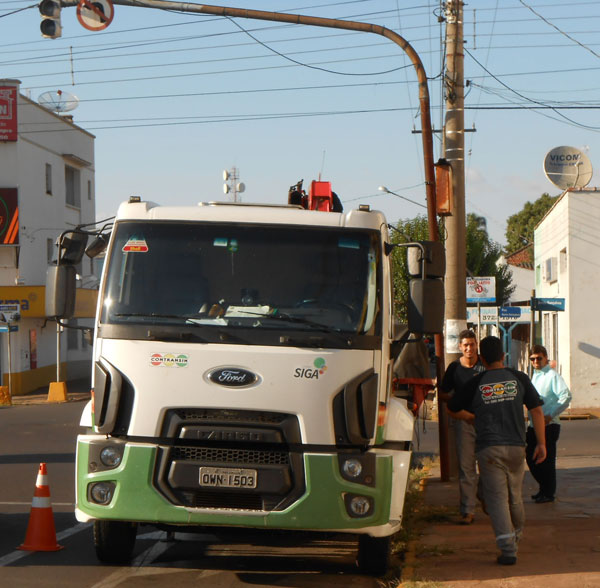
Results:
x,y
41,535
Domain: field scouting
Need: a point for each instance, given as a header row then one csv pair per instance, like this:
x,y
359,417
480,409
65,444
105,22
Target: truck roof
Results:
x,y
250,213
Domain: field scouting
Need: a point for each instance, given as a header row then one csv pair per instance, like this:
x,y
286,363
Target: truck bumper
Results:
x,y
324,504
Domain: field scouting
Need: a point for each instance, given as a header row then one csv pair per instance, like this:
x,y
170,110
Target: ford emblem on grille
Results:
x,y
232,377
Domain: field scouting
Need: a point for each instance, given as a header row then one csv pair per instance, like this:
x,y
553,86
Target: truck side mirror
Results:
x,y
426,306
60,291
427,265
432,255
72,247
97,246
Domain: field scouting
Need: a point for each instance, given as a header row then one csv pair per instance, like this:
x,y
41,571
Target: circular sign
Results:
x,y
568,167
95,15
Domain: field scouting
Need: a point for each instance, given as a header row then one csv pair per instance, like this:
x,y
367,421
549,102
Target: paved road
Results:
x,y
30,434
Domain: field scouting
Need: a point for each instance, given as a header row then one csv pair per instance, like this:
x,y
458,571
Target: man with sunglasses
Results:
x,y
556,395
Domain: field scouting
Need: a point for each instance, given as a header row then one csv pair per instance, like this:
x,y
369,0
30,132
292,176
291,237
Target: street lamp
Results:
x,y
387,191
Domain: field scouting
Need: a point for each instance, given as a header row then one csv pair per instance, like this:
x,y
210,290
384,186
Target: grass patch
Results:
x,y
418,515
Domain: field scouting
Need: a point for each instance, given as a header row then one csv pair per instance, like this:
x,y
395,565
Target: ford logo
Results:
x,y
232,377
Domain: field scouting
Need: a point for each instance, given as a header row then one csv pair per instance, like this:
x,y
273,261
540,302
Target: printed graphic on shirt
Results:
x,y
498,392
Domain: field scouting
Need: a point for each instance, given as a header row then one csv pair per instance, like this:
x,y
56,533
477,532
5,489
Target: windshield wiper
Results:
x,y
337,333
150,315
157,335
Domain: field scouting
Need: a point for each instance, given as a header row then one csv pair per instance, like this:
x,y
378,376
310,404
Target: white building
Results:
x,y
46,187
567,265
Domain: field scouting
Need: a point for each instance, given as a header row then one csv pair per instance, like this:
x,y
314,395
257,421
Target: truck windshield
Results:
x,y
242,276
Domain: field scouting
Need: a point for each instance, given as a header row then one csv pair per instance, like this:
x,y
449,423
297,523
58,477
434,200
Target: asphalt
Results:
x,y
560,547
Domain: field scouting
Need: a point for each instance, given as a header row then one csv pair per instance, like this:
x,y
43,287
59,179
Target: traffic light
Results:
x,y
50,12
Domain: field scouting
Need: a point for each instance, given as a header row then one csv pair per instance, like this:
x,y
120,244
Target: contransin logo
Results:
x,y
169,360
310,373
498,392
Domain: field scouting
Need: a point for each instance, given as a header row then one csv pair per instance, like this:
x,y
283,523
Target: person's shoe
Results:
x,y
507,560
536,496
541,499
467,519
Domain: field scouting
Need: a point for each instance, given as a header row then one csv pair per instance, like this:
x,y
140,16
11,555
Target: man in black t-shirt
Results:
x,y
494,399
458,373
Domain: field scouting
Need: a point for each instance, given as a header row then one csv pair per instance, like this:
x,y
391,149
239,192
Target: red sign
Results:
x,y
95,15
9,216
8,113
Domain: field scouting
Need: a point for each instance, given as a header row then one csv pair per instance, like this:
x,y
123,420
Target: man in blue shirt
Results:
x,y
556,396
494,399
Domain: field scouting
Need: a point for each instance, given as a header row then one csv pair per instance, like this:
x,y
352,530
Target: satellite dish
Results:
x,y
58,101
241,187
568,167
226,188
225,175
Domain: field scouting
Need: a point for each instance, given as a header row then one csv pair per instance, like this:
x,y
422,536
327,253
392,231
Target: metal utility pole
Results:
x,y
454,151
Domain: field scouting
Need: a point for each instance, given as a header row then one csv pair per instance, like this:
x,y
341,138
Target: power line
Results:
x,y
571,121
558,29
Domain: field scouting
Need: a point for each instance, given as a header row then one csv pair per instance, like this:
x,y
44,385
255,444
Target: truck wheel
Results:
x,y
374,554
114,541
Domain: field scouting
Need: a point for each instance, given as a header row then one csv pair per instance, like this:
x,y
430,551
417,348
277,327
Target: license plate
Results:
x,y
228,477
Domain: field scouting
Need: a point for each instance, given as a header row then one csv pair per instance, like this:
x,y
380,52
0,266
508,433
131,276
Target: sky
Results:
x,y
174,99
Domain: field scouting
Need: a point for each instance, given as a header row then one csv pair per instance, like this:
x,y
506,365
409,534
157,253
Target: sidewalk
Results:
x,y
560,546
77,391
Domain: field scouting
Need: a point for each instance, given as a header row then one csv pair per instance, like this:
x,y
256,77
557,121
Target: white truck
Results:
x,y
242,372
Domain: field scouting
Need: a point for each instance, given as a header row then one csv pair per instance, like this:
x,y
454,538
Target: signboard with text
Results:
x,y
487,315
548,304
8,113
481,289
503,314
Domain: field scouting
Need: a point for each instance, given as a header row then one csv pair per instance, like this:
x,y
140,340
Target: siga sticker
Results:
x,y
318,368
135,245
169,360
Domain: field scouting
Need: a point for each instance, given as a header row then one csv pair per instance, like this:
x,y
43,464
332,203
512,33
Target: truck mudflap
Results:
x,y
329,500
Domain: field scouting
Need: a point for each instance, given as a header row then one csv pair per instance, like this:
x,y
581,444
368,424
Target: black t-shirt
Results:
x,y
457,375
496,398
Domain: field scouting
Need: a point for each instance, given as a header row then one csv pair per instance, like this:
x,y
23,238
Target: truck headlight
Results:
x,y
111,456
352,467
358,506
102,492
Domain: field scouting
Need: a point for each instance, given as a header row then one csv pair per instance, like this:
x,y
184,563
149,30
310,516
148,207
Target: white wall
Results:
x,y
570,234
44,138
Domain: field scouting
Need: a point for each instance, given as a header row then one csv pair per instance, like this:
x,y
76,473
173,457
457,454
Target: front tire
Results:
x,y
114,541
374,554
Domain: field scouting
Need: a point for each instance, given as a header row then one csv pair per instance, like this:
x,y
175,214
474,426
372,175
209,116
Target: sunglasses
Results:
x,y
536,358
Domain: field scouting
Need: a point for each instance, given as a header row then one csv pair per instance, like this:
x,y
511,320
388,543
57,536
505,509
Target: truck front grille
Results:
x,y
237,439
235,456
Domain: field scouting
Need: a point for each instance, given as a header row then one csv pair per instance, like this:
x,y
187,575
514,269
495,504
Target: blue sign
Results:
x,y
4,328
551,304
509,311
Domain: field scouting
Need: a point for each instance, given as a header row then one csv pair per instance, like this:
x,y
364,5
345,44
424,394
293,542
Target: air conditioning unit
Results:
x,y
550,267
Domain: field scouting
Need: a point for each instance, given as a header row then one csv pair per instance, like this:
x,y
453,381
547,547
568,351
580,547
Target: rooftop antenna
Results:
x,y
58,101
568,167
231,177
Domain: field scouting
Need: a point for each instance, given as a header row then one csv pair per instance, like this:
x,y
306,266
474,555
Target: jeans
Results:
x,y
544,473
501,471
464,435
